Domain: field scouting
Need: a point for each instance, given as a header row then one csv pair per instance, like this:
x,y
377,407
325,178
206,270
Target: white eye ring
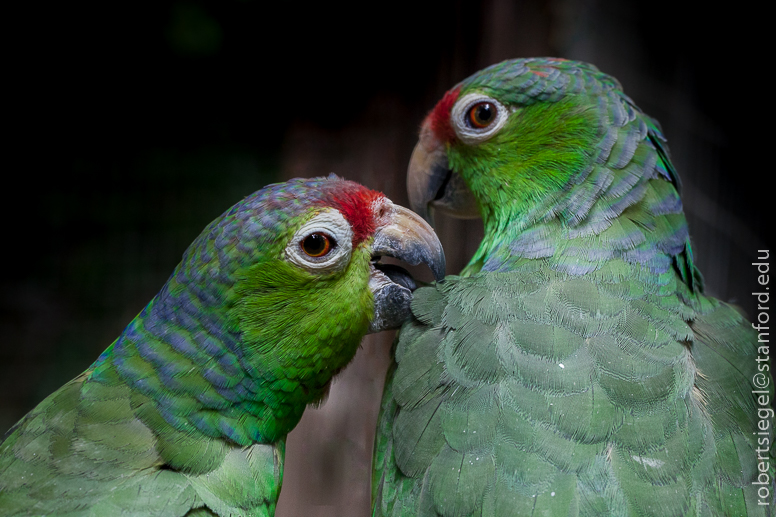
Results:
x,y
331,223
460,114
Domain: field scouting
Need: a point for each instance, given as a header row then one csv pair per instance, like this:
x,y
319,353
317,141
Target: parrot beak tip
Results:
x,y
405,236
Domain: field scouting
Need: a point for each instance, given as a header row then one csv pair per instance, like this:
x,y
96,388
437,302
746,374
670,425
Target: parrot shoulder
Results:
x,y
86,448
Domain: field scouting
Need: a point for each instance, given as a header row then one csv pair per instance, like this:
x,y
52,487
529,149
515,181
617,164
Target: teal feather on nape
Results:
x,y
659,142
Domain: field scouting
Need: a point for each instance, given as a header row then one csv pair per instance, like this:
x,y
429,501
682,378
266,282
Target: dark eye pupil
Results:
x,y
484,113
316,244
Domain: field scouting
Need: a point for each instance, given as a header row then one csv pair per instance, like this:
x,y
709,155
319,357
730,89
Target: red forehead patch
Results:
x,y
355,203
439,118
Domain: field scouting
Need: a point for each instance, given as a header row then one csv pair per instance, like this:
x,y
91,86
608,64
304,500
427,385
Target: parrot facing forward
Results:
x,y
186,413
575,367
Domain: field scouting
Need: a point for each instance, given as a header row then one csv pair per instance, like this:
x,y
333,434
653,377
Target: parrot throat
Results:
x,y
240,369
611,212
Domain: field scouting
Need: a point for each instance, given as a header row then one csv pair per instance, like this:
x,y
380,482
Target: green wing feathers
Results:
x,y
544,394
84,452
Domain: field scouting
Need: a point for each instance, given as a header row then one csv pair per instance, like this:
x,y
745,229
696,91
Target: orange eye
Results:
x,y
317,244
481,115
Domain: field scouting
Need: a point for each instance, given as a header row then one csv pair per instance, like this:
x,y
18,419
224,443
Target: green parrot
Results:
x,y
575,367
187,412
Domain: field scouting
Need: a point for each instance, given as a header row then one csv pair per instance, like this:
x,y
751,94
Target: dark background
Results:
x,y
131,125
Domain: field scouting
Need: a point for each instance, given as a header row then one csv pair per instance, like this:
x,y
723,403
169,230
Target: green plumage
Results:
x,y
186,413
575,367
85,451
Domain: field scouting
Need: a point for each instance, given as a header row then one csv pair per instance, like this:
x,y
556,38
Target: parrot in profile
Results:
x,y
575,366
187,412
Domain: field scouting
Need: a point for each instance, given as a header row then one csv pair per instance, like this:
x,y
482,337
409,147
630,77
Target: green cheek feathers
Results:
x,y
537,153
300,327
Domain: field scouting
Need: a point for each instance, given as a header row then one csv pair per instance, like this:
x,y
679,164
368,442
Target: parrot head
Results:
x,y
555,147
319,246
269,303
509,137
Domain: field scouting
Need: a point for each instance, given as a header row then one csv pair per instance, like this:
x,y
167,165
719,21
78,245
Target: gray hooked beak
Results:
x,y
431,184
403,235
